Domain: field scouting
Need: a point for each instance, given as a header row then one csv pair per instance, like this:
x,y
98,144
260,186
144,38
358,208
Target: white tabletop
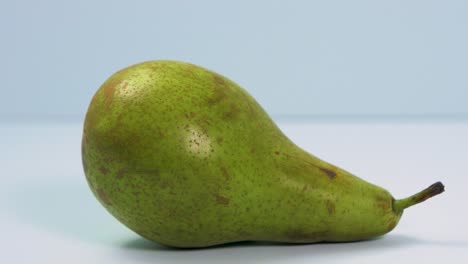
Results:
x,y
48,214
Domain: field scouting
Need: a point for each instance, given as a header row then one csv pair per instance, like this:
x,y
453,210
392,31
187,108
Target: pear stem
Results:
x,y
433,190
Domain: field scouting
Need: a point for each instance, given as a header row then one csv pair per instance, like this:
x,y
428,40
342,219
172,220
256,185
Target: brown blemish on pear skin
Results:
x,y
383,203
120,174
219,80
221,199
109,88
154,67
218,90
218,95
190,115
232,112
391,225
102,195
331,174
225,173
330,207
103,170
188,72
124,85
300,236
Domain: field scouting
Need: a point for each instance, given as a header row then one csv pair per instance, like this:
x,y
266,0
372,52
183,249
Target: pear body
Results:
x,y
187,158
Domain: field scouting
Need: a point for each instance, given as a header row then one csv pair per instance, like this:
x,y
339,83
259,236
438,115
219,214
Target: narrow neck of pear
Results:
x,y
433,190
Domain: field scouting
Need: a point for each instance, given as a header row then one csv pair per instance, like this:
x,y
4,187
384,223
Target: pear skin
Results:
x,y
187,158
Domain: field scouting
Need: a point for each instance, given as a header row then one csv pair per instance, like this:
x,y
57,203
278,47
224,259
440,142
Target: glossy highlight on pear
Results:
x,y
187,158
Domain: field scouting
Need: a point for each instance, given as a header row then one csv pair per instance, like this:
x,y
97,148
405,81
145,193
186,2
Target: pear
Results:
x,y
185,157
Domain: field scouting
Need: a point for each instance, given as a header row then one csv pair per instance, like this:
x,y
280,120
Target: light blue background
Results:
x,y
297,58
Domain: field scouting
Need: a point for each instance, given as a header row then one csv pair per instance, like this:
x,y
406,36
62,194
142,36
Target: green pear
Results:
x,y
185,157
